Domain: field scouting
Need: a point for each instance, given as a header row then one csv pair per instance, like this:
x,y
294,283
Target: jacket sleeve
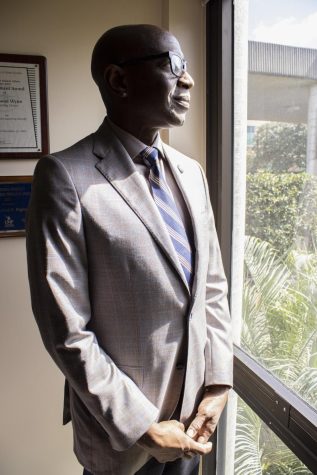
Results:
x,y
59,284
219,347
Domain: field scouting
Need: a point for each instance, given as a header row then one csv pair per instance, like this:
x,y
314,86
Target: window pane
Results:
x,y
275,196
259,451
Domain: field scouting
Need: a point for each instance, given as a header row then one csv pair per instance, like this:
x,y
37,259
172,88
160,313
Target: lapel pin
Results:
x,y
180,168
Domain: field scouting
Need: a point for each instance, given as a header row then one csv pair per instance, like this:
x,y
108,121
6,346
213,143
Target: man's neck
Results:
x,y
145,134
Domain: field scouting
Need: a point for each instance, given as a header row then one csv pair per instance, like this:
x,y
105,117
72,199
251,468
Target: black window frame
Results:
x,y
294,421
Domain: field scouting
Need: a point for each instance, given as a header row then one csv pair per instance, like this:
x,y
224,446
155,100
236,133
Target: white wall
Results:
x,y
32,440
186,19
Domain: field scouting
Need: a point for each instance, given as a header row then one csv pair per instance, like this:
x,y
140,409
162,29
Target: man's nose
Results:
x,y
185,80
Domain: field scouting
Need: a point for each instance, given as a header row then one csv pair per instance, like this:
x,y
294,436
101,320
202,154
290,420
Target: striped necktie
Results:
x,y
169,212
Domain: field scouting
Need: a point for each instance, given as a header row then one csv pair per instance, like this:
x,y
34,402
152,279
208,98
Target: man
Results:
x,y
125,271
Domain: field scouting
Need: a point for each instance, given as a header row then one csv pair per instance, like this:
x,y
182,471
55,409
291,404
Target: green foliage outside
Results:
x,y
279,330
281,201
278,147
259,451
279,314
280,287
281,208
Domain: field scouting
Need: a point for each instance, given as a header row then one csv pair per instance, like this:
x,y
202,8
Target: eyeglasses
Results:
x,y
178,65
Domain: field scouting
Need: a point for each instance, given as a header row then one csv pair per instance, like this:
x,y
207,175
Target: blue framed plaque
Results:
x,y
15,192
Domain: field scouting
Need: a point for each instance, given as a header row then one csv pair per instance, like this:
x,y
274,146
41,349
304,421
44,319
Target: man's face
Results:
x,y
156,97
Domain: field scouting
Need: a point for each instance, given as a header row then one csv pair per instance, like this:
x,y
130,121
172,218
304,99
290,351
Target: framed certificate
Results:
x,y
15,192
23,106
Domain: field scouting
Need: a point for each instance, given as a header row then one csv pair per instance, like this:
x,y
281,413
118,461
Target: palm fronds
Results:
x,y
280,331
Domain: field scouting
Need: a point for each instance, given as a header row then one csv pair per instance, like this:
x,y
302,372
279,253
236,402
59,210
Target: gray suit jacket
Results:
x,y
111,300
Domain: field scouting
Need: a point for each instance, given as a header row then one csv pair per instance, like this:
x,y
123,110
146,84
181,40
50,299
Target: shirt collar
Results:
x,y
133,145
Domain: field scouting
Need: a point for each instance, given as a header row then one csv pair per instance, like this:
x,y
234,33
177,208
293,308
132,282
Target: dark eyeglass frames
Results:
x,y
178,65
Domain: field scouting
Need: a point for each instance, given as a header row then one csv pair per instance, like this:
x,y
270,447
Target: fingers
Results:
x,y
201,429
198,448
202,439
206,432
178,424
167,441
196,426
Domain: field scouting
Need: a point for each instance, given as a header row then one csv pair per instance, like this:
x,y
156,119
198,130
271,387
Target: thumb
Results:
x,y
199,448
195,426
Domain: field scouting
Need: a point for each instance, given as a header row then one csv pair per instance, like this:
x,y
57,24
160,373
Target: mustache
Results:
x,y
182,97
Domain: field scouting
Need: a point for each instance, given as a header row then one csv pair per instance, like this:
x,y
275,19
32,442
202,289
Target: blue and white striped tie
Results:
x,y
169,212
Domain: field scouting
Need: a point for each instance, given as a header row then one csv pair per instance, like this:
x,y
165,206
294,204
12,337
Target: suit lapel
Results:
x,y
118,168
183,178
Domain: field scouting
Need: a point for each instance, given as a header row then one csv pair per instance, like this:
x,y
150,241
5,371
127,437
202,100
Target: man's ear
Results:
x,y
115,79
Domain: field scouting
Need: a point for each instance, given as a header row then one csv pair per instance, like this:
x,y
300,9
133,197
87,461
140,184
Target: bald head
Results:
x,y
142,77
123,43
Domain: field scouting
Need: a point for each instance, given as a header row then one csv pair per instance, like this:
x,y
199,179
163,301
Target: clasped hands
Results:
x,y
167,440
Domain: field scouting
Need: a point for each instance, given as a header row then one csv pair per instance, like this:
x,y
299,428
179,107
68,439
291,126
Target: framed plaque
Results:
x,y
15,192
23,106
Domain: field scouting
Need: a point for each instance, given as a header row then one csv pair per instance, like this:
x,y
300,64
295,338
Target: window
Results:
x,y
263,188
250,135
277,101
259,450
